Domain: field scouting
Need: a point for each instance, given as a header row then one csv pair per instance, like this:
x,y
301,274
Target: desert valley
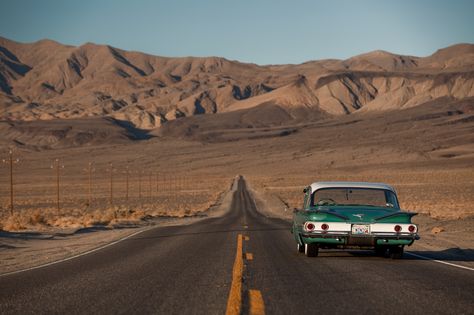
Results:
x,y
139,136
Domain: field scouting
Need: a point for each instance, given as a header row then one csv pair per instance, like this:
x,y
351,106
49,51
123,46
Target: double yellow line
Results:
x,y
234,302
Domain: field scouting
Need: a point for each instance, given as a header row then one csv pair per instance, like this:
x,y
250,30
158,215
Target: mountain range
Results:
x,y
46,80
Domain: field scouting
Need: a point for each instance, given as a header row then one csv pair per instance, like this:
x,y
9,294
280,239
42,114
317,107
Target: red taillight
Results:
x,y
412,228
324,226
397,228
310,226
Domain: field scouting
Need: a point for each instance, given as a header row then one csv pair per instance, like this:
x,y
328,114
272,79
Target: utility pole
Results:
x,y
111,201
166,187
10,161
176,187
157,183
150,182
89,172
56,166
173,188
11,181
184,183
193,187
140,187
127,182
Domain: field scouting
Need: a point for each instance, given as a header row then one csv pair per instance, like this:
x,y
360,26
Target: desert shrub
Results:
x,y
37,218
14,223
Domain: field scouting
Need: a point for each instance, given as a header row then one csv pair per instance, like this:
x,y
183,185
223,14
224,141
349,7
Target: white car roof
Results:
x,y
319,185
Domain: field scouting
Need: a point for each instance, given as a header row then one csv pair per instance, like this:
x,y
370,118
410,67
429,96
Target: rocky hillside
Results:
x,y
47,80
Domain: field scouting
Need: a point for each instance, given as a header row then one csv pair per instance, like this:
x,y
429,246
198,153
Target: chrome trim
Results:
x,y
383,234
337,234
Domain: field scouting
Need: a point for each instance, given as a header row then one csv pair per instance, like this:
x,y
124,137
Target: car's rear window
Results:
x,y
354,196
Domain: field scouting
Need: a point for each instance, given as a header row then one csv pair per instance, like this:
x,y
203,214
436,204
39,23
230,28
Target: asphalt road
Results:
x,y
189,270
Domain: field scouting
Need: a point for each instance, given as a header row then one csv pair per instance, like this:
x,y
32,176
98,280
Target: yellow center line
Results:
x,y
257,307
234,301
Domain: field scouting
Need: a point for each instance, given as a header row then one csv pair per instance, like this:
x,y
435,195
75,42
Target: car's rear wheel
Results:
x,y
300,248
395,252
311,250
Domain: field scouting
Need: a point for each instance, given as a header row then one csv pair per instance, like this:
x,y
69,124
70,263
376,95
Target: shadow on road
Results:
x,y
451,254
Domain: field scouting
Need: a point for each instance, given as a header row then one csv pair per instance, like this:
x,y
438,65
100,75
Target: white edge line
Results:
x,y
77,255
440,261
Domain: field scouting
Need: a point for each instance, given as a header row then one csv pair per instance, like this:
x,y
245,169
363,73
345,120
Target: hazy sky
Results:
x,y
257,31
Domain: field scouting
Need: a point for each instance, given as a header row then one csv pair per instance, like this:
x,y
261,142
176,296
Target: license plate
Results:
x,y
360,229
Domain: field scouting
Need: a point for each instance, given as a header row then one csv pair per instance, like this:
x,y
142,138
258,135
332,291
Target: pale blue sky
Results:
x,y
260,31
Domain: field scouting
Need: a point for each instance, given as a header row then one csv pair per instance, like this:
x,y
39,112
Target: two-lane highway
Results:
x,y
191,269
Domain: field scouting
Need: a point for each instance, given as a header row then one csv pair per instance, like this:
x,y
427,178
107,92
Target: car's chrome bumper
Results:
x,y
370,240
396,236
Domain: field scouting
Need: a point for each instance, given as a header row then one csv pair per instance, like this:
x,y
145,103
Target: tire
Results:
x,y
311,250
300,248
395,252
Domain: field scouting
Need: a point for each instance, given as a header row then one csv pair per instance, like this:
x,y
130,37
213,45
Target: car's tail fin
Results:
x,y
397,217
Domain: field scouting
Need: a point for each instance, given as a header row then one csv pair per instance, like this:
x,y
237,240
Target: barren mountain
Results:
x,y
46,80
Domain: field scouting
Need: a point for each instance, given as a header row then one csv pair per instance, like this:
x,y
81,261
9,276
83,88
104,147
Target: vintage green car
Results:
x,y
352,215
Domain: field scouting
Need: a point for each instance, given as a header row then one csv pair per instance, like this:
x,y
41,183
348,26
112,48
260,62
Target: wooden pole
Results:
x,y
57,186
157,183
56,167
140,188
150,181
111,185
11,182
127,183
90,184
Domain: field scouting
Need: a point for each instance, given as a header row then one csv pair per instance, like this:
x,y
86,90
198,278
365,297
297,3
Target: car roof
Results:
x,y
320,185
